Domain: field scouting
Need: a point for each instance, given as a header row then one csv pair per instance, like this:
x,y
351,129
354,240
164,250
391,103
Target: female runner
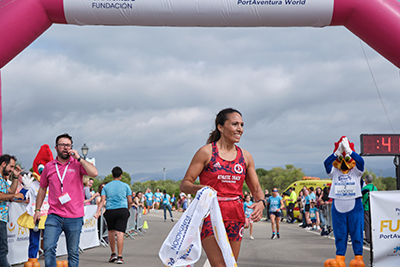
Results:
x,y
223,166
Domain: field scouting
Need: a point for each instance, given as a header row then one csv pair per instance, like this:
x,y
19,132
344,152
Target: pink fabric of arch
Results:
x,y
21,22
376,22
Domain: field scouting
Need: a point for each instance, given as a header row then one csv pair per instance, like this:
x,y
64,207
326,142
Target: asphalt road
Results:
x,y
296,248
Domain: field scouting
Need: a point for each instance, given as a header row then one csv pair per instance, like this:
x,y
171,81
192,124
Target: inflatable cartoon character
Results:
x,y
345,167
26,220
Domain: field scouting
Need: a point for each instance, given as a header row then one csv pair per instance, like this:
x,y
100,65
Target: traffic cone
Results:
x,y
144,211
145,226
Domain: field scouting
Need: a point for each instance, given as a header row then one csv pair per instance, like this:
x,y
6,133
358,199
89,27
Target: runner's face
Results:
x,y
233,127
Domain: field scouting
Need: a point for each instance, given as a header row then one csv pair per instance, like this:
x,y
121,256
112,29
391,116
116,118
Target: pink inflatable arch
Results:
x,y
376,22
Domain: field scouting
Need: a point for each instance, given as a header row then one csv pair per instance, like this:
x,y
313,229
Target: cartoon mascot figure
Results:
x,y
345,167
26,220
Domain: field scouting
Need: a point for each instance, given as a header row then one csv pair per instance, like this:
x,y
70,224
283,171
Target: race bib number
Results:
x,y
344,190
248,212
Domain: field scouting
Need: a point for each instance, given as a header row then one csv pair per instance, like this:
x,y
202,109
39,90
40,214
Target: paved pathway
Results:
x,y
296,248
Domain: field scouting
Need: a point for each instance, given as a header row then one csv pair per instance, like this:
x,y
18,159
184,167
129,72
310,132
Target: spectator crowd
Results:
x,y
310,207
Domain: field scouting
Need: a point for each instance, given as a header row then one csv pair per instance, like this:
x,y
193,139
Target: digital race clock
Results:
x,y
380,144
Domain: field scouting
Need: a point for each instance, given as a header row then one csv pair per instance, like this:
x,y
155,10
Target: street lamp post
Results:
x,y
165,173
85,150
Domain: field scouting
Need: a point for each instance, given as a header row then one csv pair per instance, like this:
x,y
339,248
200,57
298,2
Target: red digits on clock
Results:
x,y
380,144
387,144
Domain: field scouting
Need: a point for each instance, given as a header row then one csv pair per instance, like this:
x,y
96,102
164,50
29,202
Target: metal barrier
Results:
x,y
285,216
139,221
134,225
103,232
131,224
328,217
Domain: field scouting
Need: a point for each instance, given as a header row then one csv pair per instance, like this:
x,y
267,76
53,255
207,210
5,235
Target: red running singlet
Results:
x,y
227,178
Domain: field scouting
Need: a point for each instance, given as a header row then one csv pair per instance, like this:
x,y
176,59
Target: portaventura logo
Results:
x,y
115,4
11,227
199,193
189,249
389,229
271,2
176,245
396,252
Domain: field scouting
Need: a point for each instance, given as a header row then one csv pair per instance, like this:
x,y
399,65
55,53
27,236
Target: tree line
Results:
x,y
277,177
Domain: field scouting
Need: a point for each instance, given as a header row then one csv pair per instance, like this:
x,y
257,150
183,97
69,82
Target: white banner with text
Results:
x,y
385,224
18,237
207,13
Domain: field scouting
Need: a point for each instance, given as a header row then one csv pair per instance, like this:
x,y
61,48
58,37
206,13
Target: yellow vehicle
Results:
x,y
298,185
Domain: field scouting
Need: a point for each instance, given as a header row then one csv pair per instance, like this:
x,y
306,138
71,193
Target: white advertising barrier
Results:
x,y
204,13
182,247
89,236
18,237
385,224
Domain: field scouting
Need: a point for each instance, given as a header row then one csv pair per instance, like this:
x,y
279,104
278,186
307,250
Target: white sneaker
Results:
x,y
251,237
308,228
318,228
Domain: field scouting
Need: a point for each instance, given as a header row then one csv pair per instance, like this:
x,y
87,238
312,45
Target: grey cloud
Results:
x,y
145,98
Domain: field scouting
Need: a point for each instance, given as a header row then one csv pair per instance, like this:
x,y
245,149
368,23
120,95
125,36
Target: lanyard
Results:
x,y
59,176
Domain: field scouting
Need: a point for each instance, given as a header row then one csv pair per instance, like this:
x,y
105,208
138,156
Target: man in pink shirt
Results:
x,y
63,176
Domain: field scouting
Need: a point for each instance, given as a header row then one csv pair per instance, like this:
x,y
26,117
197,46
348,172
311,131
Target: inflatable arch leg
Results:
x,y
31,21
1,120
376,22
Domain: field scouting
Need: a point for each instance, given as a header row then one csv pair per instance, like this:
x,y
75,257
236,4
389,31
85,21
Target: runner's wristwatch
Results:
x,y
263,201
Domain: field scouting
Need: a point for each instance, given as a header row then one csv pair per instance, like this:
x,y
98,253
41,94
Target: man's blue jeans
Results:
x,y
54,226
3,244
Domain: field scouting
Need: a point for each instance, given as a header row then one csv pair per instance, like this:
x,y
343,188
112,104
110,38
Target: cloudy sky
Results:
x,y
145,98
